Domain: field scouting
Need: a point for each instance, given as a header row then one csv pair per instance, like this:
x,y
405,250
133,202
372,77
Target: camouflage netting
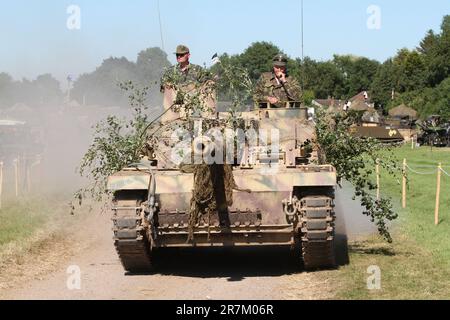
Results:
x,y
213,192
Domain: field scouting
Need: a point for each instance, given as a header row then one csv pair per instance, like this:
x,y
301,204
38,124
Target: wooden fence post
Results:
x,y
30,172
404,185
1,183
16,174
438,191
377,170
28,179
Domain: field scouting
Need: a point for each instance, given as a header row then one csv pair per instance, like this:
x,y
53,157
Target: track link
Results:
x,y
317,232
130,238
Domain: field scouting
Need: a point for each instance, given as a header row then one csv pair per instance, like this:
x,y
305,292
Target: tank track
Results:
x,y
317,232
130,238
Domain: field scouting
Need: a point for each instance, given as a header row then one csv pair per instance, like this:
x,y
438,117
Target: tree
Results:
x,y
411,70
429,101
441,99
322,78
101,86
47,90
422,75
428,43
257,58
150,65
358,73
6,90
437,54
25,92
384,81
307,74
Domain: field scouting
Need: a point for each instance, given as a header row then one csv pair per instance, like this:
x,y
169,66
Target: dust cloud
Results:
x,y
349,214
41,148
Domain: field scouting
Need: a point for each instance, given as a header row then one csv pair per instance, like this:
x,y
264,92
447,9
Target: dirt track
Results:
x,y
264,273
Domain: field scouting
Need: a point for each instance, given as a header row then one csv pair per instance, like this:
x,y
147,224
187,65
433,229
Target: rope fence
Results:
x,y
421,173
406,168
445,172
24,168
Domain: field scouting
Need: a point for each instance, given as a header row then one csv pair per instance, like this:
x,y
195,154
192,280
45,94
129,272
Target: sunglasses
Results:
x,y
181,55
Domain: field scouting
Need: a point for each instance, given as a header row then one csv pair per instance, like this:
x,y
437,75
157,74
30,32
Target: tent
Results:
x,y
402,111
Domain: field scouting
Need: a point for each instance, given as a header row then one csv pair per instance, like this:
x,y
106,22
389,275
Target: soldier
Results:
x,y
187,88
277,87
183,73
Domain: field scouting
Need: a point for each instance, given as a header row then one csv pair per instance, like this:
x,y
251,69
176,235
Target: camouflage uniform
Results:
x,y
269,86
174,75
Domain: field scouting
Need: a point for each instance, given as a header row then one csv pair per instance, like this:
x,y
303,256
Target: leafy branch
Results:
x,y
117,143
354,159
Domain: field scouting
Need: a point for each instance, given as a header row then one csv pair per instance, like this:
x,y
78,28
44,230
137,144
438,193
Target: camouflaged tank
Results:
x,y
373,126
280,197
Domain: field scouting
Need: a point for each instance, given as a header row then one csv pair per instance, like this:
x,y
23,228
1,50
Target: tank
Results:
x,y
374,126
272,193
434,132
385,134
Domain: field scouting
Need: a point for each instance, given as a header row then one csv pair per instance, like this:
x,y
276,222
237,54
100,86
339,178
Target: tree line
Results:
x,y
418,78
44,90
100,87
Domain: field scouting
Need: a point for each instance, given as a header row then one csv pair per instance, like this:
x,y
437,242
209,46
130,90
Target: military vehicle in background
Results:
x,y
18,139
434,132
405,125
403,118
371,124
273,194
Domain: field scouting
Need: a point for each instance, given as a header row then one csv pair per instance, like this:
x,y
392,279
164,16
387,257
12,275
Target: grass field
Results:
x,y
417,264
20,218
24,221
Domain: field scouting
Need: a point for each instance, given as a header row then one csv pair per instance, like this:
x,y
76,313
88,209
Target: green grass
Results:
x,y
21,218
417,264
417,220
408,271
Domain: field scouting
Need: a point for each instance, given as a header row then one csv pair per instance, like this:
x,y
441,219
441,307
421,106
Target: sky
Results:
x,y
36,39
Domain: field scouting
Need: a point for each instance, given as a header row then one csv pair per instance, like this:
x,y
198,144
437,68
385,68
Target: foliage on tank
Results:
x,y
119,144
354,159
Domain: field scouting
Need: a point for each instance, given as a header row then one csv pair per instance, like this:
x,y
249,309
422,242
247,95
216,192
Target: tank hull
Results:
x,y
255,218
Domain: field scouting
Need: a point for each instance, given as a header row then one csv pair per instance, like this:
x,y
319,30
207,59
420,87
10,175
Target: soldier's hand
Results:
x,y
272,100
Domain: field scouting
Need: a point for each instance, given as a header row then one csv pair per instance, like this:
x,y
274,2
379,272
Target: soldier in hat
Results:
x,y
277,87
183,73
